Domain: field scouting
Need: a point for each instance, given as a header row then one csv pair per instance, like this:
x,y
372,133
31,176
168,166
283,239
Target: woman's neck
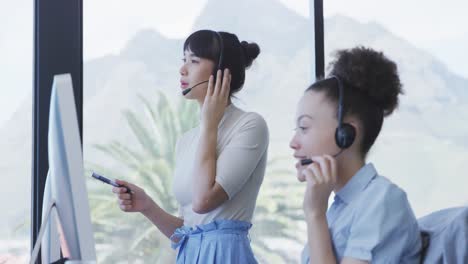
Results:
x,y
348,166
200,103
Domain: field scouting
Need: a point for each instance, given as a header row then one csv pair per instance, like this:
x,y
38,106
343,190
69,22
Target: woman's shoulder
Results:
x,y
384,195
387,189
248,127
250,118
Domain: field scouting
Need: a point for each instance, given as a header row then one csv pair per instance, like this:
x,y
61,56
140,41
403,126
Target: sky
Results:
x,y
437,27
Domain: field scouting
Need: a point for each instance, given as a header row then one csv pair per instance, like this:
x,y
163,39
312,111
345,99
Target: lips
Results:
x,y
183,84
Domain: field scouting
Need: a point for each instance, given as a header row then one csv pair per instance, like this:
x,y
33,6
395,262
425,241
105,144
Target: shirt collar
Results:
x,y
357,183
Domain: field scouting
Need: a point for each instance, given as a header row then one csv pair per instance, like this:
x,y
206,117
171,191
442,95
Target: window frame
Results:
x,y
58,48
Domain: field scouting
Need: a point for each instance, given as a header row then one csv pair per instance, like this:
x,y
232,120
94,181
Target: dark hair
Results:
x,y
371,88
237,56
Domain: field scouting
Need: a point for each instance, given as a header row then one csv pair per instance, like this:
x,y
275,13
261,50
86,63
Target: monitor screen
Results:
x,y
69,226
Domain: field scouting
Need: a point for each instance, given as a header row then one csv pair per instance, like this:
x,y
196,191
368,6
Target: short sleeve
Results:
x,y
241,156
383,228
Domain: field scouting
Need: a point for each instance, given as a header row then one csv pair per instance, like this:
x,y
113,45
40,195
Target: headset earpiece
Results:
x,y
345,135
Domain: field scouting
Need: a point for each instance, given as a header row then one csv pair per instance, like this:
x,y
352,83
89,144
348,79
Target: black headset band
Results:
x,y
340,98
221,50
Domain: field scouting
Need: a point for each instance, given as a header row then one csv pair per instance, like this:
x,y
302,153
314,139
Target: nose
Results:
x,y
183,70
293,143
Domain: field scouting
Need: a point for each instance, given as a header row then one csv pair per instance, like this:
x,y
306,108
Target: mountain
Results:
x,y
274,27
431,90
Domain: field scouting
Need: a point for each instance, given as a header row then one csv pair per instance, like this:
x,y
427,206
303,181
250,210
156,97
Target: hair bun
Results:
x,y
370,72
251,51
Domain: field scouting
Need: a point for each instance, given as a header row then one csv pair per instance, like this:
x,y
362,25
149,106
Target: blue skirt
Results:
x,y
221,241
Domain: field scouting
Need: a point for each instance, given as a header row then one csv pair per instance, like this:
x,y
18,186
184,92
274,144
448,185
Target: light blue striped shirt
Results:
x,y
371,220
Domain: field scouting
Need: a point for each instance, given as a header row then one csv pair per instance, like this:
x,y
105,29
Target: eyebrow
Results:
x,y
302,116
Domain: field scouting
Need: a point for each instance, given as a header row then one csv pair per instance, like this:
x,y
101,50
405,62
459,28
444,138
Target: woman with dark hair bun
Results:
x,y
220,164
338,121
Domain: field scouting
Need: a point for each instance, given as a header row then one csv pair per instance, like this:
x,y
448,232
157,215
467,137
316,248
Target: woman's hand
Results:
x,y
321,178
136,201
216,100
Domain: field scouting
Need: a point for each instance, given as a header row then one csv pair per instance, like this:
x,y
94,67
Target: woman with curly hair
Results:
x,y
338,121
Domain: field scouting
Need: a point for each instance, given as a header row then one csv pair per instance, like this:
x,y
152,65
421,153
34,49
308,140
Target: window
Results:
x,y
423,146
16,46
131,63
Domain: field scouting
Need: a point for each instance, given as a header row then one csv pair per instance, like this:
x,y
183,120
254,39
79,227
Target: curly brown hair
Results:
x,y
371,88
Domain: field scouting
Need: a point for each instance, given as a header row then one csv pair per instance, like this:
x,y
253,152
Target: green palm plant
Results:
x,y
151,166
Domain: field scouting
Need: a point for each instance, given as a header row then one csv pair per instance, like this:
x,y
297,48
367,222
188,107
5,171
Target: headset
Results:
x,y
220,63
345,133
221,52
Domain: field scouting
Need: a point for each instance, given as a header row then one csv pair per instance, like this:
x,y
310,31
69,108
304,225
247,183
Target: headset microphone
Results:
x,y
186,91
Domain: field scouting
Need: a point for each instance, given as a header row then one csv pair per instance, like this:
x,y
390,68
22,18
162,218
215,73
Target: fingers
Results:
x,y
125,202
125,207
323,170
118,190
222,85
124,196
122,182
316,172
301,177
323,167
226,83
217,88
125,186
333,167
209,92
308,176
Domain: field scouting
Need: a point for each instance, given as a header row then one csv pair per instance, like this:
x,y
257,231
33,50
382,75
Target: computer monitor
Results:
x,y
66,222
